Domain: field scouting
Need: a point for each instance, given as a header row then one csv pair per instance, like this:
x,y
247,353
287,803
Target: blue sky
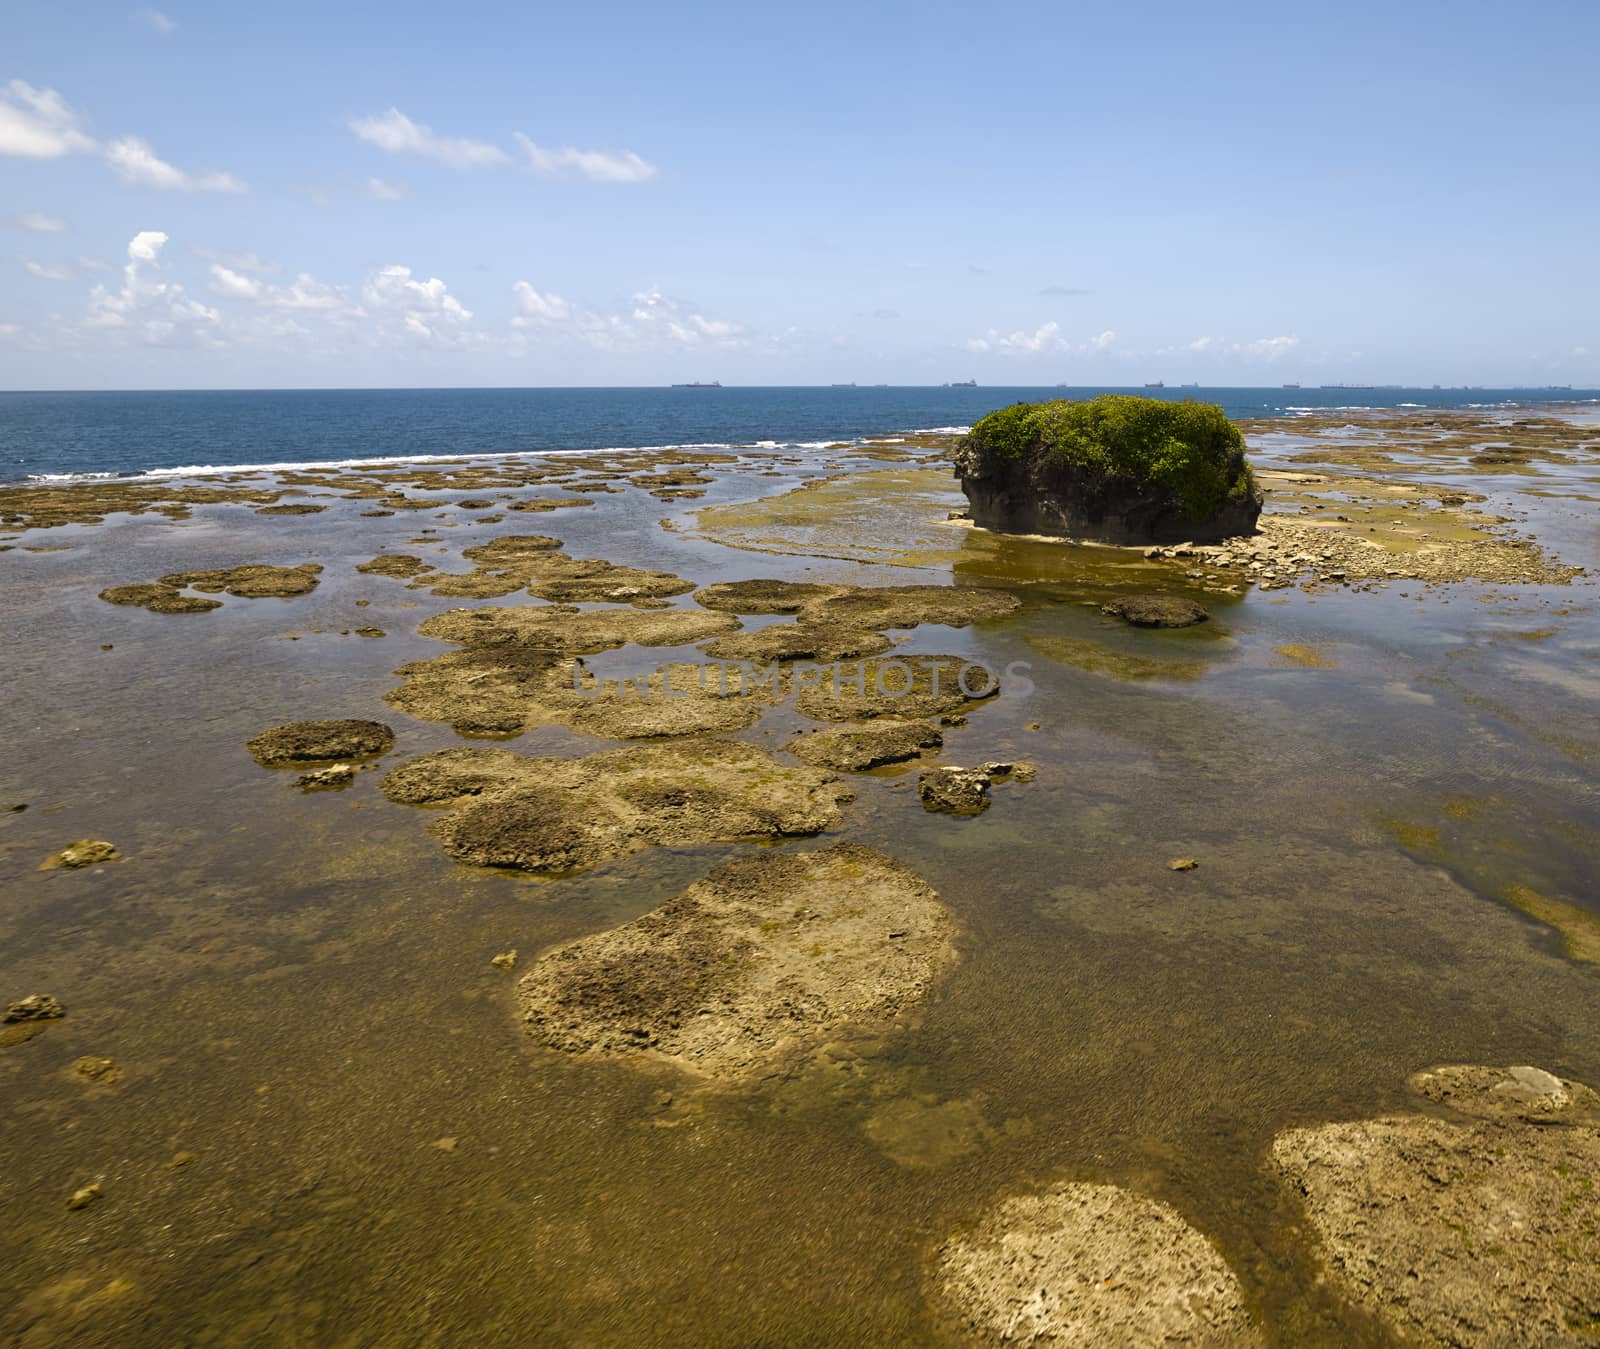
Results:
x,y
290,195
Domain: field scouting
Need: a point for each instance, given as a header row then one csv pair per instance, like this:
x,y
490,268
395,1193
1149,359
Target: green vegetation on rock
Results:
x,y
1190,448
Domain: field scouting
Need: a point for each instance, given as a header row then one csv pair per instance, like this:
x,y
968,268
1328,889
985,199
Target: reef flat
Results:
x,y
421,922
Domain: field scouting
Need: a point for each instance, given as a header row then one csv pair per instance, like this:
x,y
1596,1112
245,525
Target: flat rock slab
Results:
x,y
1090,1265
854,749
797,641
903,688
553,816
309,742
1156,611
1474,1233
764,957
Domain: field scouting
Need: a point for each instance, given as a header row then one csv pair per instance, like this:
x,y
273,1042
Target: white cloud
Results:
x,y
651,322
398,134
305,292
381,189
1203,344
50,271
237,261
146,307
39,223
420,310
1045,338
1580,351
235,285
155,19
602,166
134,161
38,124
1269,348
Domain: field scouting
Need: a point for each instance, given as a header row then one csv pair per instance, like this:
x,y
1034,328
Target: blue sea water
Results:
x,y
46,434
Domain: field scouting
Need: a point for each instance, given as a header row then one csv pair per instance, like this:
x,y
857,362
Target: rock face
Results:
x,y
1116,468
762,957
1090,1265
1484,1231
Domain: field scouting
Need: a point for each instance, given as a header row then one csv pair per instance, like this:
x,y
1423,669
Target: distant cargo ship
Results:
x,y
1188,386
841,386
962,384
1157,385
1291,386
1349,386
715,384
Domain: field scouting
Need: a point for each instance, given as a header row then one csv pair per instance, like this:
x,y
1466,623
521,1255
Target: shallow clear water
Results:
x,y
298,986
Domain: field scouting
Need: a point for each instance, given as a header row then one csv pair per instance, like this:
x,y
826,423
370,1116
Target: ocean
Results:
x,y
48,434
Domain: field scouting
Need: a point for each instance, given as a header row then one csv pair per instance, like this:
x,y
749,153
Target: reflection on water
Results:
x,y
298,988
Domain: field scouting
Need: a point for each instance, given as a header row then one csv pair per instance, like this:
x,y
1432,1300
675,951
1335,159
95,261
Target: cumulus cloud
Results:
x,y
380,189
399,135
1203,344
50,271
38,124
38,222
1046,337
305,292
421,310
154,18
651,322
134,161
147,308
601,166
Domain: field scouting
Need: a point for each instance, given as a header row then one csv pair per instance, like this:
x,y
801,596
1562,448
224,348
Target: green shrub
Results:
x,y
1191,449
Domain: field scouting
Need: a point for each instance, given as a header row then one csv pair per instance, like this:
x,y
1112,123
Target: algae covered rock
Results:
x,y
1082,1264
1116,468
1156,611
1484,1231
763,957
309,742
553,816
86,852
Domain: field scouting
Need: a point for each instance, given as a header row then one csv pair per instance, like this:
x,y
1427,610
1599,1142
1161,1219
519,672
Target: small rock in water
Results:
x,y
86,852
506,960
84,1197
1156,611
338,775
92,1069
446,1144
960,791
36,1007
1182,864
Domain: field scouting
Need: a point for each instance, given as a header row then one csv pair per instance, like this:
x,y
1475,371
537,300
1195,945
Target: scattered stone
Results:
x,y
552,816
251,581
291,508
1477,1233
1002,770
316,741
958,791
179,1160
1090,1265
35,1007
158,599
904,688
323,779
84,1197
400,566
855,749
447,1144
371,632
86,852
1182,864
763,958
1156,611
91,1069
506,960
